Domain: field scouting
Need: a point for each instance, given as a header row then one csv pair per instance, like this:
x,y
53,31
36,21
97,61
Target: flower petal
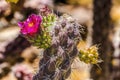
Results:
x,y
20,24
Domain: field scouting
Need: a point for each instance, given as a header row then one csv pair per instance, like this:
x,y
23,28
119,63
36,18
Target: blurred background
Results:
x,y
101,21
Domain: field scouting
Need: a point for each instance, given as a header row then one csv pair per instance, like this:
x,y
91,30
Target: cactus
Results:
x,y
58,36
57,59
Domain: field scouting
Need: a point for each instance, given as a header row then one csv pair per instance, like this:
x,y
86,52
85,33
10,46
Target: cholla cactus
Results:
x,y
57,60
59,37
89,55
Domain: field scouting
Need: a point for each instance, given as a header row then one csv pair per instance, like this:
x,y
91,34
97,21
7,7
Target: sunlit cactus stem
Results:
x,y
57,59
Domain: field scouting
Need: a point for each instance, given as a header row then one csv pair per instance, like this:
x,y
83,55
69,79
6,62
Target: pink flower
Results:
x,y
22,72
31,26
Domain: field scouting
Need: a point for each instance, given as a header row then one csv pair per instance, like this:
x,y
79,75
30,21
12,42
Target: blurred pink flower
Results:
x,y
31,26
22,72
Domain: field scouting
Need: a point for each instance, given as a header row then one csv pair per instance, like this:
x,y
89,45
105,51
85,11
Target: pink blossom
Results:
x,y
31,26
22,72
